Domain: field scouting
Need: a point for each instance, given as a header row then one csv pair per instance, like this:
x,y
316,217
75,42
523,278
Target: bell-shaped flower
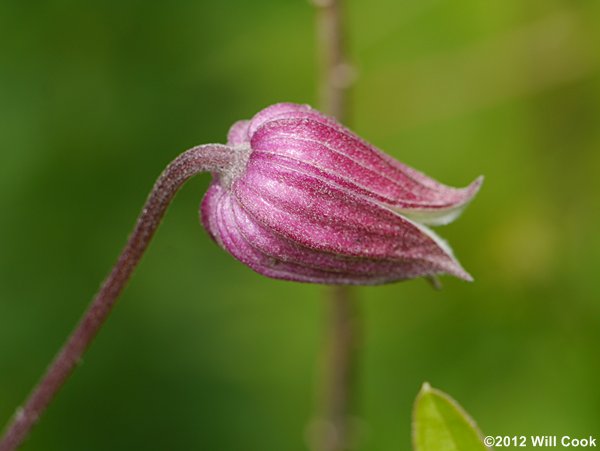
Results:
x,y
310,201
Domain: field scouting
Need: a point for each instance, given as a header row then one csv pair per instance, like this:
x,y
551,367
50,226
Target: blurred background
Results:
x,y
201,353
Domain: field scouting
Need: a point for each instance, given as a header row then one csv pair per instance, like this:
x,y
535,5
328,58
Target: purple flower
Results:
x,y
310,201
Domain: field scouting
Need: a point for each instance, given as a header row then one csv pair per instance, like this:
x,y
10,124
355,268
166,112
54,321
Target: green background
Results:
x,y
202,353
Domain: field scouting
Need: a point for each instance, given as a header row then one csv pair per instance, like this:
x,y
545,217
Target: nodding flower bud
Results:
x,y
309,201
295,196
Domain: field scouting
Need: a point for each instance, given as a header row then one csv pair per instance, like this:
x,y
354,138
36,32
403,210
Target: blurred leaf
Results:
x,y
440,424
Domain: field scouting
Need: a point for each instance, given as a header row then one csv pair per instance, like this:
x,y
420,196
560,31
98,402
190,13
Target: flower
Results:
x,y
310,201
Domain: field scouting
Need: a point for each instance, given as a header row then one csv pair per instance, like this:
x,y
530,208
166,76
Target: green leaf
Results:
x,y
440,424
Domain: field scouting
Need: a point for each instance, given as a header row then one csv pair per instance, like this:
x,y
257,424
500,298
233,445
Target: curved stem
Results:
x,y
210,157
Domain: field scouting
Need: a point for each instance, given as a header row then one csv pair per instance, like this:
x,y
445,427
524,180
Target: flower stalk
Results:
x,y
211,157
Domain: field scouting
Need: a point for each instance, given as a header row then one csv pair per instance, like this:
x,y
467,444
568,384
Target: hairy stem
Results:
x,y
335,80
210,157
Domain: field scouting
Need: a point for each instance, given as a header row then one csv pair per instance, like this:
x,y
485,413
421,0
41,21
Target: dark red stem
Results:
x,y
210,157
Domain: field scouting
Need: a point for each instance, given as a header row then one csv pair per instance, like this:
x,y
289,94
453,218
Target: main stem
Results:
x,y
340,365
342,340
210,157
